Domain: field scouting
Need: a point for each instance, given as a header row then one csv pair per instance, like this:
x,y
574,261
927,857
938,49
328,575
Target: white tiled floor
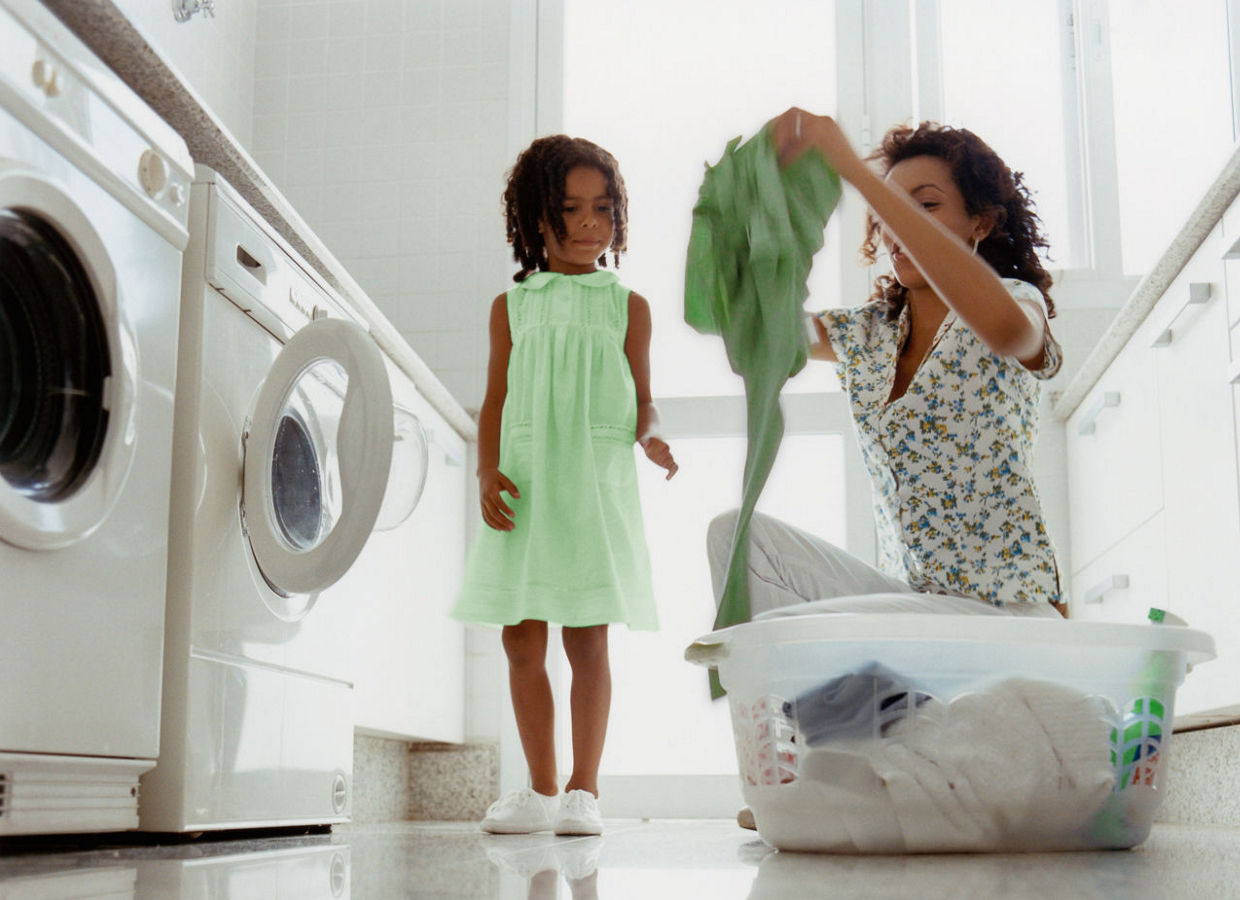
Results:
x,y
644,860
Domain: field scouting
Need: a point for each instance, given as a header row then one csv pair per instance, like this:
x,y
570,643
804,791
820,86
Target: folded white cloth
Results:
x,y
1033,755
1010,767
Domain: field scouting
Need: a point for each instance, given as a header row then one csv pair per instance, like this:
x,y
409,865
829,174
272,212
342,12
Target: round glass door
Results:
x,y
65,371
317,458
407,478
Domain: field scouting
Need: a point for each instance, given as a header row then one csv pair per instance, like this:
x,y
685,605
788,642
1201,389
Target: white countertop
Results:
x,y
110,34
1201,221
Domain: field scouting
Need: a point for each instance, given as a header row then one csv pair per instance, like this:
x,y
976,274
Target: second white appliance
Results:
x,y
282,442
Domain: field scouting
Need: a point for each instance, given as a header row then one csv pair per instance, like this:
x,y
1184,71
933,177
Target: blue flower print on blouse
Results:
x,y
951,460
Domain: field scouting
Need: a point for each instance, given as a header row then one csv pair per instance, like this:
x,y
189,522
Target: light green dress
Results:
x,y
578,554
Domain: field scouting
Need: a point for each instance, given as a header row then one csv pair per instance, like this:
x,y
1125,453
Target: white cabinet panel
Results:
x,y
1199,459
1229,238
1114,455
1155,484
408,654
1201,503
1231,278
1123,583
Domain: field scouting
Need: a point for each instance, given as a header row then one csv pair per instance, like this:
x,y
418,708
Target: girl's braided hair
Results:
x,y
988,187
535,193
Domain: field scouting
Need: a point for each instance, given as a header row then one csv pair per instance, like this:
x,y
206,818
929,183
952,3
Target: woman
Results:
x,y
943,369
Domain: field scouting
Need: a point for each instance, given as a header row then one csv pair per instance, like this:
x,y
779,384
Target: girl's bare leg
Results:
x,y
526,647
590,702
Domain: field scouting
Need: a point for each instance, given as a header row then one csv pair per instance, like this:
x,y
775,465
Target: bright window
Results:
x,y
664,86
1014,100
1173,116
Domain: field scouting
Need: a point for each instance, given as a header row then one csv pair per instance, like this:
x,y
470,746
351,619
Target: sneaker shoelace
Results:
x,y
511,800
577,805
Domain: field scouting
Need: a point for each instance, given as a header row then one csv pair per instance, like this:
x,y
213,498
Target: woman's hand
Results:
x,y
495,512
659,453
796,130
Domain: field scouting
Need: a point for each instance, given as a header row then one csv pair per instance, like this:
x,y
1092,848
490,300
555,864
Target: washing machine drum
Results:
x,y
55,371
54,363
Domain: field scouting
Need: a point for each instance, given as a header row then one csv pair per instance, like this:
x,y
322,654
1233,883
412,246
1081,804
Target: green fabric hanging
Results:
x,y
755,231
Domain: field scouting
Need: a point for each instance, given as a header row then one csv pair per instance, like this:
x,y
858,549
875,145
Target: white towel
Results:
x,y
1036,755
1018,765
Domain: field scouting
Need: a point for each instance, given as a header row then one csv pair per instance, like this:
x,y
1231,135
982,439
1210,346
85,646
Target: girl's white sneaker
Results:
x,y
578,814
523,811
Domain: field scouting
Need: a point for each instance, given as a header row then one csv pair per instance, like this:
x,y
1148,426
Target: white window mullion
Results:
x,y
1233,43
1079,219
927,89
1100,189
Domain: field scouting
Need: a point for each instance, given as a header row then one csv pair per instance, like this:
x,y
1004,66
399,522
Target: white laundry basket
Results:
x,y
906,733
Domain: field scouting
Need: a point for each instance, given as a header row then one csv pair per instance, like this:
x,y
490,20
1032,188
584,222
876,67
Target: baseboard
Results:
x,y
1203,781
452,782
380,779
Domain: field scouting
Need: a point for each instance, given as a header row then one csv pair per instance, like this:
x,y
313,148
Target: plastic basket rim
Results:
x,y
1197,646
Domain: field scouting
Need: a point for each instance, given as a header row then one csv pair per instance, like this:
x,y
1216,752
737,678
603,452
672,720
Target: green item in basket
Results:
x,y
756,228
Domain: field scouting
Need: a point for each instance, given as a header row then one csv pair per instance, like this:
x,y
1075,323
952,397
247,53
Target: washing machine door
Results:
x,y
68,369
317,457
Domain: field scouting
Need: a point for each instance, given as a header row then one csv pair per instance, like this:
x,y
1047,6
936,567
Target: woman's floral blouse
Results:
x,y
957,508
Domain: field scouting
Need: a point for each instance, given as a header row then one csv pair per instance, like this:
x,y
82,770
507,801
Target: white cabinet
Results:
x,y
408,653
1114,456
1124,582
1153,484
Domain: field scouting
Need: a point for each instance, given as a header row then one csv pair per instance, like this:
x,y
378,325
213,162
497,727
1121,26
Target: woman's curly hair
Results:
x,y
989,187
535,194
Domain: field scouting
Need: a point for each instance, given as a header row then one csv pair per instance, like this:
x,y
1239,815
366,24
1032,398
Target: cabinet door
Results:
x,y
1201,504
408,654
1127,580
1230,248
1114,455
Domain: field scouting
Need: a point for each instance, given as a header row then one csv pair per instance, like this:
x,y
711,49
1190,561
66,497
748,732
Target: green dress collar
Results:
x,y
597,278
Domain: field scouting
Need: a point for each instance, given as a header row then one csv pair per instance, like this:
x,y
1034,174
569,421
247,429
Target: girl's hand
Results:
x,y
796,130
495,512
659,453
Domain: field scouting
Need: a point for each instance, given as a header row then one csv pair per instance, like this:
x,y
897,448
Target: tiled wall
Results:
x,y
213,54
385,123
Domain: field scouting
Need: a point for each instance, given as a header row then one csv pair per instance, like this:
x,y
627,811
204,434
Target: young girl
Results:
x,y
568,392
942,370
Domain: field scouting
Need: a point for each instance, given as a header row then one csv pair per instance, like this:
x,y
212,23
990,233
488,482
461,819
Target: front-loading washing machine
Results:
x,y
282,446
93,215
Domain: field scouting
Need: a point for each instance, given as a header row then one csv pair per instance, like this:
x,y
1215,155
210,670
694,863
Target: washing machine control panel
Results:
x,y
59,90
257,271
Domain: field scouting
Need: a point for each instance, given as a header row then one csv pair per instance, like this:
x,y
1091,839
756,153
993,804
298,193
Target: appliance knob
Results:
x,y
45,77
338,875
340,793
152,173
176,194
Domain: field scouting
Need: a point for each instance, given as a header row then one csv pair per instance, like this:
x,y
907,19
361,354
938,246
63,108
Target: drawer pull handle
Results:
x,y
1107,400
250,264
1198,293
1102,588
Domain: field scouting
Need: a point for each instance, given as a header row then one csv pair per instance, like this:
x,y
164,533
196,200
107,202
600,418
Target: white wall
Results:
x,y
385,123
215,55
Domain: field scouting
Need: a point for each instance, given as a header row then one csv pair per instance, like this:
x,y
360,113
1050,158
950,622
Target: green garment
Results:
x,y
755,231
576,555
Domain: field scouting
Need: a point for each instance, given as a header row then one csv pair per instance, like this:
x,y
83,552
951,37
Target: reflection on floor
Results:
x,y
645,860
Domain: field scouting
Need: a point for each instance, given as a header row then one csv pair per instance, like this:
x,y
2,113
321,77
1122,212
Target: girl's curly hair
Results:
x,y
535,193
988,187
